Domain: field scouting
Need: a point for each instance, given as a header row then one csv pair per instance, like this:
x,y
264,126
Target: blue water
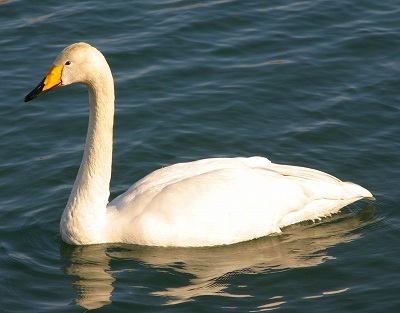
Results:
x,y
312,83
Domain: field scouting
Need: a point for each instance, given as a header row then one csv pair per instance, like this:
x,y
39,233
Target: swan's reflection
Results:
x,y
90,265
300,245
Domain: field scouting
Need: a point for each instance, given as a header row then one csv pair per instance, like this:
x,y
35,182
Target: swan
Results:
x,y
216,201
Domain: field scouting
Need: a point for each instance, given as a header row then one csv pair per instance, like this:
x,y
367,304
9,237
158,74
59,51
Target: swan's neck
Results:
x,y
84,217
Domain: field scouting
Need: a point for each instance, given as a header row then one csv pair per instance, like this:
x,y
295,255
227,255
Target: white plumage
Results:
x,y
202,203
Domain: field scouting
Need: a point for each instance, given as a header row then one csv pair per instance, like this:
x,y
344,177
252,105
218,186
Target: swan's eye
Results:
x,y
68,63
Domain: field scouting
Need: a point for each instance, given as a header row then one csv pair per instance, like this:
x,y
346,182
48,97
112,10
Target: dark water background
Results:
x,y
310,83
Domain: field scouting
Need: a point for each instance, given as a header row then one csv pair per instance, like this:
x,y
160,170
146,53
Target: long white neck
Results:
x,y
85,214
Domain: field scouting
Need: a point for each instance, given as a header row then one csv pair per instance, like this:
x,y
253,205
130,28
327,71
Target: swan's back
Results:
x,y
226,200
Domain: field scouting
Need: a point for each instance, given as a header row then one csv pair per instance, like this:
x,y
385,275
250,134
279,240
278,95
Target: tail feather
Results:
x,y
357,190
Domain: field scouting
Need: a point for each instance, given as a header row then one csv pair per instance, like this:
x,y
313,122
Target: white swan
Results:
x,y
202,203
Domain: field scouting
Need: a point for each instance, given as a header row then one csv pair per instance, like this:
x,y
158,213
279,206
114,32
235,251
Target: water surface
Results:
x,y
310,83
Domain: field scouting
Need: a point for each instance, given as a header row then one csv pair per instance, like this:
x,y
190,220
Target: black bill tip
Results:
x,y
35,92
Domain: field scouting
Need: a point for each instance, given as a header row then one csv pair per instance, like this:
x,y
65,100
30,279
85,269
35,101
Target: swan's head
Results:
x,y
78,63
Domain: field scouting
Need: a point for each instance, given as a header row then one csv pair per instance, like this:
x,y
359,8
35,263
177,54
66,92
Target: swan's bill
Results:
x,y
51,81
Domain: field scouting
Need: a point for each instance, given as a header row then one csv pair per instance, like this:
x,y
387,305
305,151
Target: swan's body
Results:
x,y
202,203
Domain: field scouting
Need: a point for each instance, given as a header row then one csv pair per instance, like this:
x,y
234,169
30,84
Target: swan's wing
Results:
x,y
221,201
327,194
322,184
217,207
163,177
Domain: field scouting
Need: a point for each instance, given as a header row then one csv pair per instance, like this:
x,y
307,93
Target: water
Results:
x,y
313,83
